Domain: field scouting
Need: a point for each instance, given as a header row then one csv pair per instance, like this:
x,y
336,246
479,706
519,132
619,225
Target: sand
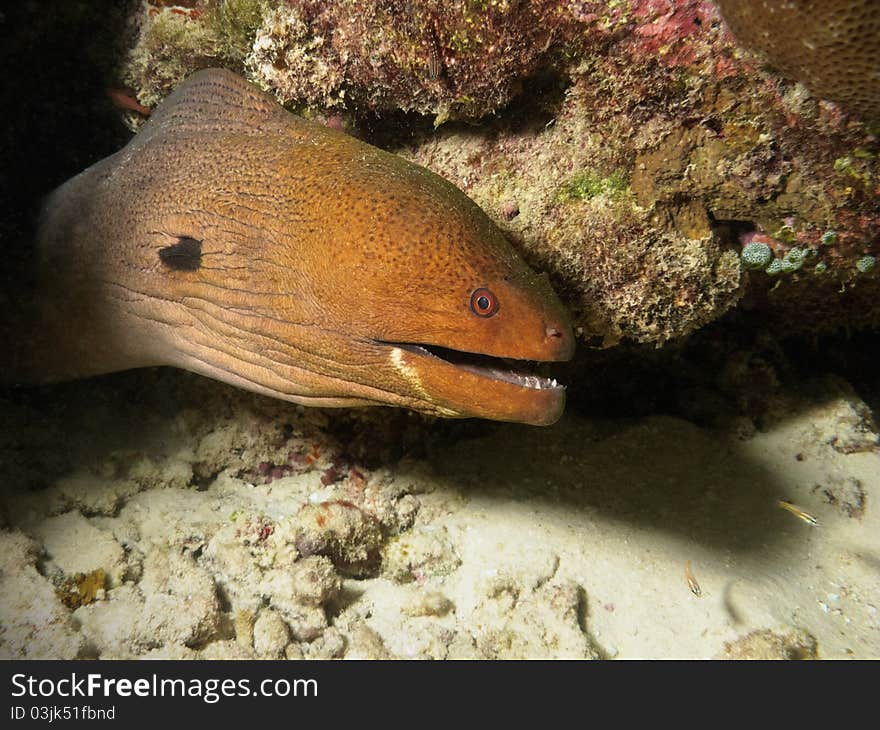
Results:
x,y
159,514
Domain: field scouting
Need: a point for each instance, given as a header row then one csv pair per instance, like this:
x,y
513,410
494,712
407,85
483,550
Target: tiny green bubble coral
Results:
x,y
756,255
796,255
829,238
793,260
865,264
776,267
821,267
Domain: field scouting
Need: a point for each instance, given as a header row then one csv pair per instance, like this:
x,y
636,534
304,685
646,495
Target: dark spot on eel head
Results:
x,y
185,255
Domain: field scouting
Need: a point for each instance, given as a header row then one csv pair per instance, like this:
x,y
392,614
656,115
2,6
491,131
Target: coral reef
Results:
x,y
831,46
176,39
449,58
633,152
644,183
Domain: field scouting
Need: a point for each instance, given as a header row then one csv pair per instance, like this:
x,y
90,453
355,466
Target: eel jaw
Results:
x,y
463,384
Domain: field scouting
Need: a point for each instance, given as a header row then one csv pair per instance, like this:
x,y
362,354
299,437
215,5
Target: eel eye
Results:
x,y
483,303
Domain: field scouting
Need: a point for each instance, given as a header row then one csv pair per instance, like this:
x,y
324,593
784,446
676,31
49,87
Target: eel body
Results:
x,y
236,240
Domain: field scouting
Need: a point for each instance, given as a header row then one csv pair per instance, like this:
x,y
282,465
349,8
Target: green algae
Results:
x,y
588,185
234,23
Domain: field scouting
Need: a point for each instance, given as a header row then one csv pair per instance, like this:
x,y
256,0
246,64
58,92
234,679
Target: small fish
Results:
x,y
125,101
691,580
435,59
435,64
797,512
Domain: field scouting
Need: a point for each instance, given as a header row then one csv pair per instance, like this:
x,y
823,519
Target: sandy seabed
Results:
x,y
158,514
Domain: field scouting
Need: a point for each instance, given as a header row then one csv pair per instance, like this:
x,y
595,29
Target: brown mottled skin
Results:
x,y
320,254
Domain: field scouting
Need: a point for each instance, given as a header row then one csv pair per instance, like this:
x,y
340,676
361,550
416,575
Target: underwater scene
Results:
x,y
452,329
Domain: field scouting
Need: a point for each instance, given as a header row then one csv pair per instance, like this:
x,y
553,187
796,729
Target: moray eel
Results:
x,y
236,240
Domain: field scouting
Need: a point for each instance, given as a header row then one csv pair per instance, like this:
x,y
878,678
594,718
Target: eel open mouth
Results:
x,y
485,366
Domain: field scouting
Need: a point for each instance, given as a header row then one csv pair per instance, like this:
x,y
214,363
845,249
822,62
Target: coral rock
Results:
x,y
831,46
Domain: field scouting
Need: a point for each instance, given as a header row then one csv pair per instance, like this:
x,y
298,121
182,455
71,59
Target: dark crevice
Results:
x,y
729,232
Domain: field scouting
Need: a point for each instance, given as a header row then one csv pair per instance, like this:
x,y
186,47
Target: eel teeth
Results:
x,y
485,366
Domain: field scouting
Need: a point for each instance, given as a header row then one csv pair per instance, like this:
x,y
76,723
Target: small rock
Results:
x,y
75,545
271,635
508,210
